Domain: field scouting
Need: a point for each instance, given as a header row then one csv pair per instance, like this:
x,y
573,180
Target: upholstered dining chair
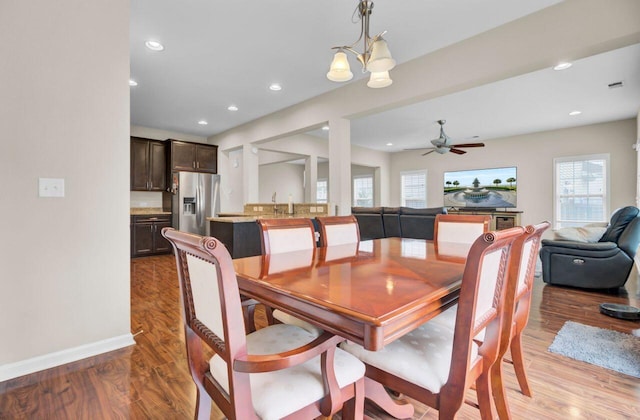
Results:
x,y
278,371
338,230
435,364
283,236
453,234
522,267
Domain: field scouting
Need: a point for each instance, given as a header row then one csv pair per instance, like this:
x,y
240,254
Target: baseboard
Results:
x,y
35,364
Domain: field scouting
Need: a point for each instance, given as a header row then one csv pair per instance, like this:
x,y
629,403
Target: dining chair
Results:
x,y
287,235
453,234
522,267
338,230
435,364
278,371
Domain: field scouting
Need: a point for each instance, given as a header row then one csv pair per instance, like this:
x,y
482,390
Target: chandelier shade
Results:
x,y
379,80
340,70
380,58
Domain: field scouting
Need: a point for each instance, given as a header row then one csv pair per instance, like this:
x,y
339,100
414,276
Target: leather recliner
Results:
x,y
601,265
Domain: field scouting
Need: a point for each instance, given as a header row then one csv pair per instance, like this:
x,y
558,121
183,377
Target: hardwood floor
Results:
x,y
151,380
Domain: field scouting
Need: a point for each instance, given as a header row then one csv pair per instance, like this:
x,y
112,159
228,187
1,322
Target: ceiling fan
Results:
x,y
443,144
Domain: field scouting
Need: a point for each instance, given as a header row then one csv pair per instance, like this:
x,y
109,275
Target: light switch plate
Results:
x,y
51,187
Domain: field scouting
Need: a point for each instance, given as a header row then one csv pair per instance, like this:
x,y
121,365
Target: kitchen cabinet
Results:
x,y
148,165
193,157
146,235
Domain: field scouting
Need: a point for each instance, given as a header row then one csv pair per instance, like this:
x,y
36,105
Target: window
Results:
x,y
580,190
413,189
322,189
363,191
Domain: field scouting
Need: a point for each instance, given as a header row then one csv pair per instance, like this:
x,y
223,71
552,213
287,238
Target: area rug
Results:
x,y
606,348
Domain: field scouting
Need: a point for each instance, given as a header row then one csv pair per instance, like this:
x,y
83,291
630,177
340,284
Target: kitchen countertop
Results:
x,y
143,211
249,218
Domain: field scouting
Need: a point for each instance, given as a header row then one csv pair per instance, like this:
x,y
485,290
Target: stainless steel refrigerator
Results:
x,y
196,196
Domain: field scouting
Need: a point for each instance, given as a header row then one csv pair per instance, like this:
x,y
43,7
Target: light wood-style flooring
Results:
x,y
151,380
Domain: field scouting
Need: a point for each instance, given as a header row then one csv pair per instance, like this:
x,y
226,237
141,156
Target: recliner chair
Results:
x,y
605,264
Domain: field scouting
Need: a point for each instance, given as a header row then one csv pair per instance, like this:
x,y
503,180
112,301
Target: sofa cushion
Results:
x,y
619,221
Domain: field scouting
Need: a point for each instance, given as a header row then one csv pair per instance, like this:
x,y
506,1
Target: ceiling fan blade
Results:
x,y
469,145
457,152
430,151
420,148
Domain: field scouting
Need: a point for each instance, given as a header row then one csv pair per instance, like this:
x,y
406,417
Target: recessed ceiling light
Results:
x,y
389,144
275,86
133,82
154,45
232,108
325,128
202,122
574,113
563,66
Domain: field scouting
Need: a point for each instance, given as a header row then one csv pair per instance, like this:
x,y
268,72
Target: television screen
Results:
x,y
481,188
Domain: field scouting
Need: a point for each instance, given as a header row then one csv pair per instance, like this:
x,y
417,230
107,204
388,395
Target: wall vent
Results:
x,y
615,85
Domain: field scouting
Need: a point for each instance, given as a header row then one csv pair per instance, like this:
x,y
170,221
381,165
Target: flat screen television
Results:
x,y
481,188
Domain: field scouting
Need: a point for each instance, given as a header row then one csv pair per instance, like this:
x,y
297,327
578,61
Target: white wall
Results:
x,y
533,155
284,179
64,113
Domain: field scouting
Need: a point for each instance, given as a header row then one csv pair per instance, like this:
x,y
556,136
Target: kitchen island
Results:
x,y
241,234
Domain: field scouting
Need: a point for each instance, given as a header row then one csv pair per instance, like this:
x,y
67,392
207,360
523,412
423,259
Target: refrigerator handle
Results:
x,y
199,203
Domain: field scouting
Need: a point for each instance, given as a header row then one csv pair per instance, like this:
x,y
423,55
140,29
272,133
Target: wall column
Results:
x,y
340,165
311,178
250,174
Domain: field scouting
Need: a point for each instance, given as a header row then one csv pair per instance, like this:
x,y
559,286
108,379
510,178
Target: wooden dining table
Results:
x,y
370,293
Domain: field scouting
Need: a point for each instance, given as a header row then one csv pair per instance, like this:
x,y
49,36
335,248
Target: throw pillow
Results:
x,y
580,234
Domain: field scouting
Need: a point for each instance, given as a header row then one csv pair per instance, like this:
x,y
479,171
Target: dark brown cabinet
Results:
x,y
193,157
146,236
148,165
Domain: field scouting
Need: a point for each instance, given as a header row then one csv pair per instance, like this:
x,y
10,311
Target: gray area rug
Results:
x,y
606,348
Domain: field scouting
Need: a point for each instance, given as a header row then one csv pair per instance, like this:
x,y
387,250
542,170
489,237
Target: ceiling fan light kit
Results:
x,y
375,59
442,144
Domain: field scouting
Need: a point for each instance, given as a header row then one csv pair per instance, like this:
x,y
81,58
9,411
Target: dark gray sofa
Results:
x,y
405,222
601,265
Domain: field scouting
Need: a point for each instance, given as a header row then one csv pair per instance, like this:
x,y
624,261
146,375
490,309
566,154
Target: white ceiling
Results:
x,y
219,53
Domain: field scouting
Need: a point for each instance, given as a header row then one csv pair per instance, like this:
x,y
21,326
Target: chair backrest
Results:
x,y
525,252
485,287
618,223
338,230
212,313
455,233
286,235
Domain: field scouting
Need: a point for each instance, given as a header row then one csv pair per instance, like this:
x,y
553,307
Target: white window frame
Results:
x,y
558,193
326,182
354,192
403,200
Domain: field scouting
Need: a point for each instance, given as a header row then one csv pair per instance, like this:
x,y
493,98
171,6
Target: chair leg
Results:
x,y
483,390
354,408
499,394
518,364
203,405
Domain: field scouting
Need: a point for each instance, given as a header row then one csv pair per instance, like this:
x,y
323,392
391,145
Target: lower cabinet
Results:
x,y
146,235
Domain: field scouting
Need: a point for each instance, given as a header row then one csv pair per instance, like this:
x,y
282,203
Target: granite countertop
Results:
x,y
250,218
143,211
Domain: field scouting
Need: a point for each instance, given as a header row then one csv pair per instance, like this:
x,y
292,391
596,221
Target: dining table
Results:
x,y
370,292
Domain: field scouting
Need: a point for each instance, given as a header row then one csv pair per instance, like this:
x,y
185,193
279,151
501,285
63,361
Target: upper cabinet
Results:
x,y
193,157
148,165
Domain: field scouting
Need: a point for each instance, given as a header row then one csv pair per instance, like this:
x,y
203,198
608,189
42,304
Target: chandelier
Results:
x,y
375,59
